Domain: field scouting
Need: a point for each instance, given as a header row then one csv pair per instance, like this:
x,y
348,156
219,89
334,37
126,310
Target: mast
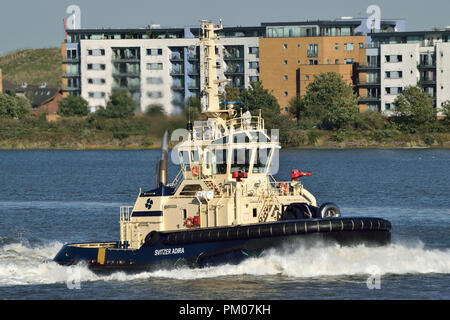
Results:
x,y
211,89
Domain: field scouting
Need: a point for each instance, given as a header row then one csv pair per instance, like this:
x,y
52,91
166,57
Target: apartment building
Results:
x,y
162,65
401,59
157,66
292,54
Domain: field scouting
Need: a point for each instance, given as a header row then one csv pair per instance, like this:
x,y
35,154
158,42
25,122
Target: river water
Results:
x,y
48,198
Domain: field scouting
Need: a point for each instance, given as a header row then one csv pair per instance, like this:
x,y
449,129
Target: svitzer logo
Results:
x,y
149,203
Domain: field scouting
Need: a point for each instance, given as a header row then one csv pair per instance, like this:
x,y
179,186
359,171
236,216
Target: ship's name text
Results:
x,y
164,252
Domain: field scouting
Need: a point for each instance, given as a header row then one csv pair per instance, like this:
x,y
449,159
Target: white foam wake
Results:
x,y
22,264
322,261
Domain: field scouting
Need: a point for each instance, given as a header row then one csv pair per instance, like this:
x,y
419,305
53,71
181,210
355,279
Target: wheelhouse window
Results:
x,y
240,160
194,156
219,161
184,160
261,160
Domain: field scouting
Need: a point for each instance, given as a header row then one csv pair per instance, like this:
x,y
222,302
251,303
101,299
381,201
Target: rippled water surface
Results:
x,y
48,198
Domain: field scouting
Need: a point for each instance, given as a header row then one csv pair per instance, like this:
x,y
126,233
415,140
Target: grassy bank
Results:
x,y
34,66
143,132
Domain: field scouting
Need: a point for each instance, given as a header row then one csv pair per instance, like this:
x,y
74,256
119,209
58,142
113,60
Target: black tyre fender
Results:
x,y
152,238
329,210
299,211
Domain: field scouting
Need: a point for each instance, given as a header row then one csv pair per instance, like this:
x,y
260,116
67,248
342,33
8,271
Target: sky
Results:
x,y
28,24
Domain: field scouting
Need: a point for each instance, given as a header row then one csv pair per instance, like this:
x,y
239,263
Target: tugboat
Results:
x,y
224,205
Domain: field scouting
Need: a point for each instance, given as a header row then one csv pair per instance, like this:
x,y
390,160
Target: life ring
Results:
x,y
284,187
195,171
189,222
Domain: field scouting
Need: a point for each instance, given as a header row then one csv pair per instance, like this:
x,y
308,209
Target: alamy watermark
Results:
x,y
374,20
73,21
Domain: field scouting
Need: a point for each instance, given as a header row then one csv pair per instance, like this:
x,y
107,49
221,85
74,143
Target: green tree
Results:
x,y
230,94
192,108
331,100
73,106
14,106
297,107
257,97
445,109
414,108
155,110
120,105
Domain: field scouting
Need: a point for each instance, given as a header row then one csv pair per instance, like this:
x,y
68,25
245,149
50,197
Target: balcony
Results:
x,y
369,99
368,67
375,83
427,65
176,56
71,60
193,57
177,72
71,75
71,89
427,81
194,72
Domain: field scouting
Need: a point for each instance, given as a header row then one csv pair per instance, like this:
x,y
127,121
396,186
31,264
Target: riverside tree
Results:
x,y
120,105
257,97
73,106
331,101
414,108
14,106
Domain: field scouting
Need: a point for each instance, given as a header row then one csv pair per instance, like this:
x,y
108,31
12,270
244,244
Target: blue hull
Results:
x,y
213,246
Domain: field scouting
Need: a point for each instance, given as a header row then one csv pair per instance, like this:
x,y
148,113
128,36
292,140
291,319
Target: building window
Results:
x,y
285,62
154,80
328,61
71,54
394,90
298,45
336,46
361,45
313,50
254,50
96,81
348,61
253,65
349,47
154,52
154,66
394,58
284,45
96,95
96,52
307,78
154,94
387,106
313,61
394,74
285,93
285,77
253,78
336,61
298,61
96,66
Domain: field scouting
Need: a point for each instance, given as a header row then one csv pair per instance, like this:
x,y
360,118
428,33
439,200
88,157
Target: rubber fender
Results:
x,y
329,210
152,238
299,211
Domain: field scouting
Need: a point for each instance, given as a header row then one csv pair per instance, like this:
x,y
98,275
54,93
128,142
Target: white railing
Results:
x,y
125,213
177,180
